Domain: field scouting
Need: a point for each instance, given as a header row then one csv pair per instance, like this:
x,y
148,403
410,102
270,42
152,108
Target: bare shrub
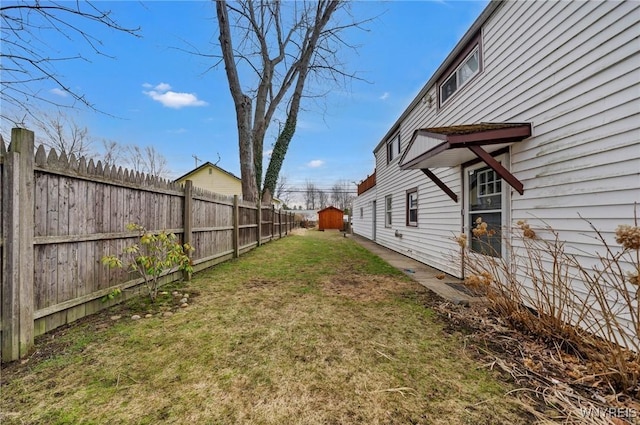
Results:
x,y
541,287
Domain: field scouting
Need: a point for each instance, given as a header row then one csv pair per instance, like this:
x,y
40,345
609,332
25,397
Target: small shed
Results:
x,y
330,218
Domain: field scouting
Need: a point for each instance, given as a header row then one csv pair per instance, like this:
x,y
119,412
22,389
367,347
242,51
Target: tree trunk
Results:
x,y
243,108
246,146
279,152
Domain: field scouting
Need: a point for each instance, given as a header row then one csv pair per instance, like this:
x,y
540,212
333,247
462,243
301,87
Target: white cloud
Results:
x,y
384,96
59,92
268,153
162,87
315,163
171,99
178,131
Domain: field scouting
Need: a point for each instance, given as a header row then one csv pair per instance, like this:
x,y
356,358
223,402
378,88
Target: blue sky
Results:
x,y
161,96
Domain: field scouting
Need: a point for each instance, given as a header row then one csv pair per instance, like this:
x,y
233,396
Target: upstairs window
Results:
x,y
393,148
469,67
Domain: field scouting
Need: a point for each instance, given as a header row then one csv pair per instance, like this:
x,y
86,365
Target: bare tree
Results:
x,y
28,56
282,192
310,195
323,199
62,133
146,160
342,195
111,153
282,47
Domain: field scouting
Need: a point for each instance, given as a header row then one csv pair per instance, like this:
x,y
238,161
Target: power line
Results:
x,y
317,190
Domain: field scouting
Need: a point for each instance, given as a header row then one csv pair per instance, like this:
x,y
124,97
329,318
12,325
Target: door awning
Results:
x,y
451,146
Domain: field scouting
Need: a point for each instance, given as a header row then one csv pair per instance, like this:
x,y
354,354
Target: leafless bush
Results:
x,y
543,287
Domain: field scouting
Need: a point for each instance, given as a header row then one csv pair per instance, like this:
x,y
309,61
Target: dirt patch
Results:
x,y
366,287
258,284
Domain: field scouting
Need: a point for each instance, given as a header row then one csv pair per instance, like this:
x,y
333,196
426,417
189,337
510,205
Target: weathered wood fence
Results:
x,y
59,216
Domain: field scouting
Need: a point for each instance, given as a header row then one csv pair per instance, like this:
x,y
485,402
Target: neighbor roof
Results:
x,y
202,167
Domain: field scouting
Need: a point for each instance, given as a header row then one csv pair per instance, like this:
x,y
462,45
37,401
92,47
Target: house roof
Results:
x,y
204,166
466,38
455,145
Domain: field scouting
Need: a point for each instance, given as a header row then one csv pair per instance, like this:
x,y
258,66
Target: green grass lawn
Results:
x,y
310,329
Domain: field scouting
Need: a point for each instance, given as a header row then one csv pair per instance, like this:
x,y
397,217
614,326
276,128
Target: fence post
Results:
x,y
187,236
236,227
273,221
259,215
17,273
280,223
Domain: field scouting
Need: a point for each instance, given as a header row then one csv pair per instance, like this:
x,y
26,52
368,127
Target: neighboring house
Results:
x,y
210,177
214,179
534,115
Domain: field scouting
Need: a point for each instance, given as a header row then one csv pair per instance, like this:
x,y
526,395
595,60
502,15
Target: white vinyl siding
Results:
x,y
363,225
577,84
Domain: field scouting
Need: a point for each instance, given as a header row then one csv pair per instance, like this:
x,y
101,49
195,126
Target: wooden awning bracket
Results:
x,y
498,168
440,184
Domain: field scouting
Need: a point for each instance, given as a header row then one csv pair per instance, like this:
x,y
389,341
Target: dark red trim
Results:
x,y
406,199
475,161
498,168
440,184
462,136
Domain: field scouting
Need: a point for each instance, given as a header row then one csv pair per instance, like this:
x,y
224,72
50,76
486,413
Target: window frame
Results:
x,y
391,143
388,211
477,167
409,193
474,45
361,212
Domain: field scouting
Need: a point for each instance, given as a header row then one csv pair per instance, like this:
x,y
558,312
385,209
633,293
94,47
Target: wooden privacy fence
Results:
x,y
59,216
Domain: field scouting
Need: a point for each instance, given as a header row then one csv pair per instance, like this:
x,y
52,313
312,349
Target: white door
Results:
x,y
373,220
486,209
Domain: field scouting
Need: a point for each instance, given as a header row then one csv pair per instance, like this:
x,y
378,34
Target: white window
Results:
x,y
393,148
462,74
387,211
412,207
